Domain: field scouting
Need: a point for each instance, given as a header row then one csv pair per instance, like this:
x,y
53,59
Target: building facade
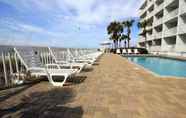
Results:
x,y
166,26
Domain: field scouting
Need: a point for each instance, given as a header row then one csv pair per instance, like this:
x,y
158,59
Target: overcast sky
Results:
x,y
62,23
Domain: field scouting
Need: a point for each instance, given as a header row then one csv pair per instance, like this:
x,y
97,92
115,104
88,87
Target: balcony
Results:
x,y
183,9
171,15
149,27
168,2
182,29
170,48
158,22
140,31
155,48
141,39
159,8
158,35
142,11
150,15
170,32
150,3
150,37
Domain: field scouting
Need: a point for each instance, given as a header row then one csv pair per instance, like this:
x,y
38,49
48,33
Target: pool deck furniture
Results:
x,y
118,51
136,51
65,63
84,57
32,63
129,51
124,51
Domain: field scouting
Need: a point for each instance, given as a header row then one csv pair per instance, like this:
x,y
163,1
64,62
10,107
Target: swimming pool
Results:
x,y
162,66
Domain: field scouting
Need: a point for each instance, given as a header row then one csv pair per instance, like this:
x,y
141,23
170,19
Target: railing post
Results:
x,y
10,66
10,63
4,68
17,67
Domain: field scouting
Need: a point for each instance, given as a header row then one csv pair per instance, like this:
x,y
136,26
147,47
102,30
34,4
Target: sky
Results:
x,y
63,23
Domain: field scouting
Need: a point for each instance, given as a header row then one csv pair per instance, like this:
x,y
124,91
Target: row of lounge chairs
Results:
x,y
64,63
127,51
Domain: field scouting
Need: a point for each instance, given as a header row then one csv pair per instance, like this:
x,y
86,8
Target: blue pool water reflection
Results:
x,y
162,66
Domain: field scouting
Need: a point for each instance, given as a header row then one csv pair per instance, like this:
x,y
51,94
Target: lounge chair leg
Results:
x,y
58,84
65,78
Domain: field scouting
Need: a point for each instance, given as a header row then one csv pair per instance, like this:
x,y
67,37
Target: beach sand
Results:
x,y
115,88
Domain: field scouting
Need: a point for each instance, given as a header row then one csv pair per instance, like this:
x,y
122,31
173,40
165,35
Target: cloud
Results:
x,y
65,20
85,11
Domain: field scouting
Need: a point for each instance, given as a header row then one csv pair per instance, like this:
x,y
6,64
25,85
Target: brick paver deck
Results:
x,y
114,89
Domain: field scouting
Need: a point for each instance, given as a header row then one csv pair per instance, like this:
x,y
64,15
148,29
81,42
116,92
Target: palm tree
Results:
x,y
128,24
143,26
115,30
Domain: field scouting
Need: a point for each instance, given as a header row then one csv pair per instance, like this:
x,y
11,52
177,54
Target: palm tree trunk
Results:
x,y
145,41
114,44
119,43
129,31
125,44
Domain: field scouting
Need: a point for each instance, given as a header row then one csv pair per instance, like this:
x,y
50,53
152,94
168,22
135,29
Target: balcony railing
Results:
x,y
156,48
158,22
170,47
158,35
182,29
183,9
149,27
171,15
142,11
151,14
141,39
150,4
150,37
159,8
170,32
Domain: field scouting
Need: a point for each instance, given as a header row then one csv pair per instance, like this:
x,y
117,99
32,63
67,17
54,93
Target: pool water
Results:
x,y
162,66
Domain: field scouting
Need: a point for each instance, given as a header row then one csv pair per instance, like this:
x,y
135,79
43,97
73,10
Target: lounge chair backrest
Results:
x,y
136,51
59,54
118,51
129,51
29,57
124,51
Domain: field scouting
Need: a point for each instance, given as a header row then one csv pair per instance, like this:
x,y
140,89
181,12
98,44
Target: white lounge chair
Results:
x,y
64,62
83,58
130,51
124,51
136,51
32,63
118,51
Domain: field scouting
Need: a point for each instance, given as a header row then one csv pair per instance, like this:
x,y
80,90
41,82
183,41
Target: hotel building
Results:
x,y
166,26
